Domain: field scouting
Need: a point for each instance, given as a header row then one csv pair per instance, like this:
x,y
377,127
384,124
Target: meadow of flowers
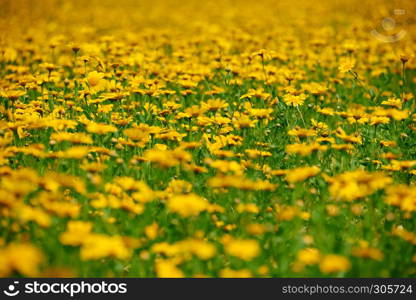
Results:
x,y
191,138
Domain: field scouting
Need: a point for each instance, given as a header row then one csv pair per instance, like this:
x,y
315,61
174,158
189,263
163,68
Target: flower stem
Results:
x,y
301,116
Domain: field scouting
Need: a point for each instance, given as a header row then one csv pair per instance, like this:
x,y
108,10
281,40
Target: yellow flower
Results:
x,y
76,138
346,65
138,135
256,229
405,57
202,249
252,153
301,132
397,165
98,246
333,263
305,149
229,273
309,256
96,81
225,166
248,207
27,213
241,120
163,158
151,231
187,205
379,120
100,128
402,196
294,100
408,236
332,210
213,105
23,258
167,268
354,138
300,174
314,88
286,213
263,270
365,251
179,187
244,249
76,152
394,102
240,182
77,232
356,184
